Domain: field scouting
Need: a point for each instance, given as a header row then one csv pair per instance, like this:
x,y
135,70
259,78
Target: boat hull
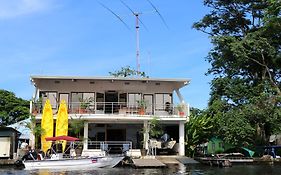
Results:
x,y
98,162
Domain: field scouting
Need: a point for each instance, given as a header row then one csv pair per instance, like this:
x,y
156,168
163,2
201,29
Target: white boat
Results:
x,y
77,163
56,160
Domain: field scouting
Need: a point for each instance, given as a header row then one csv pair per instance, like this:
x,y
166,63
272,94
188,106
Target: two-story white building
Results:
x,y
110,106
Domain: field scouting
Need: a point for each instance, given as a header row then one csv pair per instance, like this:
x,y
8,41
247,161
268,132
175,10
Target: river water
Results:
x,y
172,169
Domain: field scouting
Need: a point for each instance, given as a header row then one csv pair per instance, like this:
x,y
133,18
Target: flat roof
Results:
x,y
42,77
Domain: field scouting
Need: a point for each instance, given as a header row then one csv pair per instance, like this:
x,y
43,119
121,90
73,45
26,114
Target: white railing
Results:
x,y
111,147
113,108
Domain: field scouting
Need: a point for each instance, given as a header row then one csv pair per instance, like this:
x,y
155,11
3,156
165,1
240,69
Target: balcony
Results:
x,y
116,108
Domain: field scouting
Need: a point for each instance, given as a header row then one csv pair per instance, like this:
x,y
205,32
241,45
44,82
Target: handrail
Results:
x,y
113,108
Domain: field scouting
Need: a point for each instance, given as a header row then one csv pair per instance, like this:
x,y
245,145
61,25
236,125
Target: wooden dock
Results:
x,y
148,163
161,161
7,162
216,162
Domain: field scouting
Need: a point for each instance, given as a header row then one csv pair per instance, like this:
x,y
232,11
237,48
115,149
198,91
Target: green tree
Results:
x,y
12,108
198,130
246,63
127,72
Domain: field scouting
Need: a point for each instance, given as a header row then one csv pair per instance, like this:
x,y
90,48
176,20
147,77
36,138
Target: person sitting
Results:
x,y
165,137
168,107
30,154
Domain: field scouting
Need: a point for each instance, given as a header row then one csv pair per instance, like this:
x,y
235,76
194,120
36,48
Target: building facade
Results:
x,y
116,110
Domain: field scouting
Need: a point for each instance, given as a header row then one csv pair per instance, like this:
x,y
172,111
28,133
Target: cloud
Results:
x,y
15,8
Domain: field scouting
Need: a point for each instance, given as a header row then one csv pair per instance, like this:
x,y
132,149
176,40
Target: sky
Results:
x,y
82,38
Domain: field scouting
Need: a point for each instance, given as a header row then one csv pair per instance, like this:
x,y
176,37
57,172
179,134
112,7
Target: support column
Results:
x,y
86,130
145,134
181,139
180,96
32,140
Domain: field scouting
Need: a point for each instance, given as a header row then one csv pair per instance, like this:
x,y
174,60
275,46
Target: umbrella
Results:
x,y
62,138
62,122
47,125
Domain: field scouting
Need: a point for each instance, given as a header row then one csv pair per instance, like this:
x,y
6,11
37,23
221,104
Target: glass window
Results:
x,y
89,97
100,101
123,99
161,101
52,96
133,99
64,97
75,99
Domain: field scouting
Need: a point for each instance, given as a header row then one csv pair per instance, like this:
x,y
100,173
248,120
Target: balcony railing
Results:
x,y
117,108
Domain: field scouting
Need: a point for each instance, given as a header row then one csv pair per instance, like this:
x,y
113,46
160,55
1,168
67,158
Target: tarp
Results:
x,y
47,125
21,127
62,138
251,153
62,122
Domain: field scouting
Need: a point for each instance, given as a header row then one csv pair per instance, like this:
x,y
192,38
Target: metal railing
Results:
x,y
111,147
113,108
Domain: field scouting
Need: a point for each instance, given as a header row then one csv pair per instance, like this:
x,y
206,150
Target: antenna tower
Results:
x,y
136,14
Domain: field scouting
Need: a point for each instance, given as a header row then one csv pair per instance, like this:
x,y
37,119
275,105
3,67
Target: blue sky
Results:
x,y
81,38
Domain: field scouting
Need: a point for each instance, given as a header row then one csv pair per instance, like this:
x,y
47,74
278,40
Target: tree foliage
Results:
x,y
246,63
12,108
198,130
127,72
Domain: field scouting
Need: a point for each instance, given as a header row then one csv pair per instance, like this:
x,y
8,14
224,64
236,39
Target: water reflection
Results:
x,y
171,170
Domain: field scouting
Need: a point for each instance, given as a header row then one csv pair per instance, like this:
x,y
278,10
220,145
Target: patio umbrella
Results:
x,y
47,125
62,122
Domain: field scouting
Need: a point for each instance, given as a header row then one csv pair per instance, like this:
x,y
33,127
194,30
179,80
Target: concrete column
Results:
x,y
180,96
181,139
32,139
86,130
145,134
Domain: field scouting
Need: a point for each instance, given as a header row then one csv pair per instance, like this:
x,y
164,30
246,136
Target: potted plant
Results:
x,y
154,130
37,105
180,108
76,127
84,104
142,106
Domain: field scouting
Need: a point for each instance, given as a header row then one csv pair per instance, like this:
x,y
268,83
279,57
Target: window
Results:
x,y
78,97
123,99
52,96
213,146
161,101
100,101
75,100
133,99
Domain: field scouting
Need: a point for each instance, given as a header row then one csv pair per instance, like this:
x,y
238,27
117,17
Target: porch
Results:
x,y
120,137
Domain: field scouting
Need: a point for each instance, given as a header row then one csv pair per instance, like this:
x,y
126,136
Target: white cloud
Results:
x,y
15,8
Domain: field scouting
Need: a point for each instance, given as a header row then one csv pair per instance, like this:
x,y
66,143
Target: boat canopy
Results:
x,y
59,138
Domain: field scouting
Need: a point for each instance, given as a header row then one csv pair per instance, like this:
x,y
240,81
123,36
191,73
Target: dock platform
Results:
x,y
148,163
7,162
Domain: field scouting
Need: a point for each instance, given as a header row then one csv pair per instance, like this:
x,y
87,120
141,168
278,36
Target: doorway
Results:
x,y
111,100
148,98
115,136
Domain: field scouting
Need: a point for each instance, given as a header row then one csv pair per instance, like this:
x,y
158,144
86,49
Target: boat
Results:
x,y
59,161
88,162
235,157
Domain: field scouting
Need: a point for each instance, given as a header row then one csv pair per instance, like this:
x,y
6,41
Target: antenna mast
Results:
x,y
137,43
